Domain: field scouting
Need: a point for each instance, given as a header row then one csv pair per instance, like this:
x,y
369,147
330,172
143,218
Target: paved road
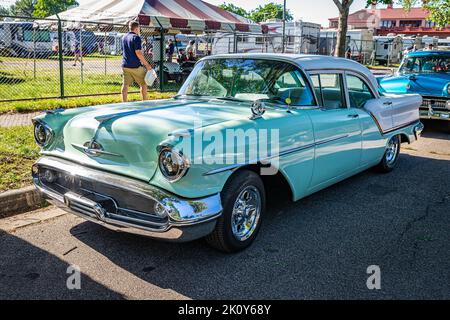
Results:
x,y
319,247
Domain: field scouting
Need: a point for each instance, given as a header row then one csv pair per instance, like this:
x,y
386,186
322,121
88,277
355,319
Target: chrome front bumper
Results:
x,y
124,204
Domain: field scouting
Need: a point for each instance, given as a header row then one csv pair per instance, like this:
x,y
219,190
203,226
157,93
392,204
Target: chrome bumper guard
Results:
x,y
170,217
418,129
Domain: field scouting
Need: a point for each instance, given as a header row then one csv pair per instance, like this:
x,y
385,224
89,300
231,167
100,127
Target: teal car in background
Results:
x,y
203,163
428,74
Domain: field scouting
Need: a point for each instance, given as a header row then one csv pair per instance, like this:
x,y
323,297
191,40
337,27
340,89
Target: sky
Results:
x,y
308,10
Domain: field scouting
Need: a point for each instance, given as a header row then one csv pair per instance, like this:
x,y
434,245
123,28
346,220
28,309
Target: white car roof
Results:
x,y
309,62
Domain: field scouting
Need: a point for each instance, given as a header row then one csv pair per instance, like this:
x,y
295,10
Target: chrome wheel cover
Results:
x,y
246,213
392,151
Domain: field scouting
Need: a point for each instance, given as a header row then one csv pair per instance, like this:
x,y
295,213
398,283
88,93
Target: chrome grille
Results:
x,y
99,200
436,104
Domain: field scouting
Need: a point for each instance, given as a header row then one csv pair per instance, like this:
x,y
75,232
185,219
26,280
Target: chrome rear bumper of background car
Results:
x,y
124,204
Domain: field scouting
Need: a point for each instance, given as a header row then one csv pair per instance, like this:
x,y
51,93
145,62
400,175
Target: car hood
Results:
x,y
433,84
129,134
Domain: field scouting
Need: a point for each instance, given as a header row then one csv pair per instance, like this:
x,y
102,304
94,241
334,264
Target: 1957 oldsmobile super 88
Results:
x,y
428,74
150,168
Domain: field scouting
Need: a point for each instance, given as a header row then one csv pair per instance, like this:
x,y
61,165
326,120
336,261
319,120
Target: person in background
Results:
x,y
430,47
77,50
134,65
348,53
191,51
170,50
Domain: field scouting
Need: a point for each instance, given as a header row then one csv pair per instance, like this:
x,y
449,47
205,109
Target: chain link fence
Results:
x,y
57,59
43,58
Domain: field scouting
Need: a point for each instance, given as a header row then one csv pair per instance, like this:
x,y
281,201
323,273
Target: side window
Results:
x,y
329,86
358,91
291,86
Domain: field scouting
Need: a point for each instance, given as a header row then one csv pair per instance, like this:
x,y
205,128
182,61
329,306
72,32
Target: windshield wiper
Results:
x,y
190,95
229,98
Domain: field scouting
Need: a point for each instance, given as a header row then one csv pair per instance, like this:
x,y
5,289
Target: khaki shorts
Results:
x,y
134,74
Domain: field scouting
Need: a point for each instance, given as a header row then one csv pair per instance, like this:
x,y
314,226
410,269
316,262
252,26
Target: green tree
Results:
x,y
45,8
23,8
439,9
4,11
234,9
269,11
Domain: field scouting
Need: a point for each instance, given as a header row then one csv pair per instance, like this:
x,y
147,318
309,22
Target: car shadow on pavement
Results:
x,y
436,129
43,278
319,247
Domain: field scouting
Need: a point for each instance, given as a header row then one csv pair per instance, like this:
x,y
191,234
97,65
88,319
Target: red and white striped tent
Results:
x,y
186,15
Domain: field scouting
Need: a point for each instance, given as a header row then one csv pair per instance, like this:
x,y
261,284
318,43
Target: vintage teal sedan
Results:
x,y
203,163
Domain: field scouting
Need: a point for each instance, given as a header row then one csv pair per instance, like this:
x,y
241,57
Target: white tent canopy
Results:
x,y
194,15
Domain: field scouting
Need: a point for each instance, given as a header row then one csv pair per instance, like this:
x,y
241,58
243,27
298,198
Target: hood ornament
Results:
x,y
258,108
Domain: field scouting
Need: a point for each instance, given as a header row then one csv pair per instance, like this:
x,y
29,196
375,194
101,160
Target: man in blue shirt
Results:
x,y
134,65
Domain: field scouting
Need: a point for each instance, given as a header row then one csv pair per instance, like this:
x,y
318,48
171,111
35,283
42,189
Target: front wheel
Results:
x,y
243,201
391,155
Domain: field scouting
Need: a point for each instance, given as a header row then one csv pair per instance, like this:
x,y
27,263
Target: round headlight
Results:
x,y
448,89
42,134
173,164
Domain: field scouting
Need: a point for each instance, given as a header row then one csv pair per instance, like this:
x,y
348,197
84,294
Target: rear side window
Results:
x,y
330,90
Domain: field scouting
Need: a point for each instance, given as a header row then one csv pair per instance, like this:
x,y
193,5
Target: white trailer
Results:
x,y
110,42
427,40
24,39
360,42
301,37
410,42
388,49
444,44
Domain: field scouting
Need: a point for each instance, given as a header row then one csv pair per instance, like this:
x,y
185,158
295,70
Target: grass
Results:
x,y
21,78
50,104
93,56
18,151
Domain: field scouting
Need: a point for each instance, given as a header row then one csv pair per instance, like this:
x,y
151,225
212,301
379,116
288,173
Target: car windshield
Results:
x,y
426,64
249,80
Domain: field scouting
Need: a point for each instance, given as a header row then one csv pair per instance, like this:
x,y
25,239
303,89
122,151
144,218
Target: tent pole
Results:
x,y
161,56
60,56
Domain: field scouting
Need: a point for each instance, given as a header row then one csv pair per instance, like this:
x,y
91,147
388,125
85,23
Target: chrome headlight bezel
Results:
x,y
172,163
448,89
43,134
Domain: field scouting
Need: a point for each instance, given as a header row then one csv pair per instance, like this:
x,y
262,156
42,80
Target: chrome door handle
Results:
x,y
353,116
387,103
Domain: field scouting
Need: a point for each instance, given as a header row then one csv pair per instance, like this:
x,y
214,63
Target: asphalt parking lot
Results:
x,y
319,247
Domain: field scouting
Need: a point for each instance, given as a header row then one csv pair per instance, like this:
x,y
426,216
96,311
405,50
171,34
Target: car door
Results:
x,y
337,130
359,93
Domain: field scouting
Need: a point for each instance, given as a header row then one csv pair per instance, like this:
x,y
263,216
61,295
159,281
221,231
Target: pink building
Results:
x,y
394,20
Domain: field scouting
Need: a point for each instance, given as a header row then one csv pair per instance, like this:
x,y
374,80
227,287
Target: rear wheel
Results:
x,y
391,155
243,201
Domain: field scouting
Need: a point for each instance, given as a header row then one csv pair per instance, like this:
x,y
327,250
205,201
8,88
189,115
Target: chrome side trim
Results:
x,y
401,126
94,152
282,153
